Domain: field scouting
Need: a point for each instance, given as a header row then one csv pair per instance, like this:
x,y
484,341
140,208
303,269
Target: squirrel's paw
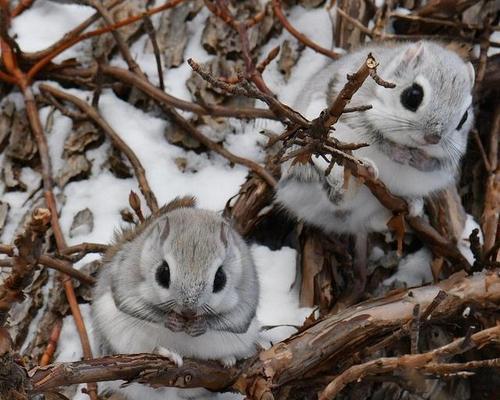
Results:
x,y
171,355
320,163
228,361
415,206
371,166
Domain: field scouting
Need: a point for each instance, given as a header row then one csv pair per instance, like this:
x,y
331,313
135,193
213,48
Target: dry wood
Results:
x,y
160,96
413,361
322,348
490,217
331,341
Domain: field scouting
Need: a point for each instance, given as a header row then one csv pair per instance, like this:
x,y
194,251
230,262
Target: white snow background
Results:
x,y
214,181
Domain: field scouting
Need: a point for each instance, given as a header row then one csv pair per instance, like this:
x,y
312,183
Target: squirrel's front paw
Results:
x,y
171,355
229,361
371,166
415,206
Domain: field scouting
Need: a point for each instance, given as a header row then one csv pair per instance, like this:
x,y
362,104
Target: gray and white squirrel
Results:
x,y
183,284
417,134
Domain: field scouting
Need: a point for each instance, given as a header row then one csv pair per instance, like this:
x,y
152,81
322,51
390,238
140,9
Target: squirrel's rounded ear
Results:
x,y
471,73
164,230
414,53
160,232
225,233
410,58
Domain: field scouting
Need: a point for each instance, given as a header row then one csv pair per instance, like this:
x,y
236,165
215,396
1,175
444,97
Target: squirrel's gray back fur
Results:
x,y
190,311
415,152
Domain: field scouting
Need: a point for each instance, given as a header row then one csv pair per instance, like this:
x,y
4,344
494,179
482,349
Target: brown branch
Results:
x,y
58,265
85,248
369,32
52,345
335,340
138,367
437,21
214,110
413,361
7,249
21,7
66,268
74,40
150,30
245,88
354,82
405,329
477,139
278,11
97,119
122,46
164,101
453,368
22,81
490,217
69,36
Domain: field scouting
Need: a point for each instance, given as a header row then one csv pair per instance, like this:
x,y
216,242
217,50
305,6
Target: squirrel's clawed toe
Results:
x,y
171,355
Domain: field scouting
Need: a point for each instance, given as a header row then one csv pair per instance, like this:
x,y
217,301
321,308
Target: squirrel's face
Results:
x,y
192,267
430,108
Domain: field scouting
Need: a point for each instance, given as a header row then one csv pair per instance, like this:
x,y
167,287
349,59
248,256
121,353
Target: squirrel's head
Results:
x,y
192,268
430,107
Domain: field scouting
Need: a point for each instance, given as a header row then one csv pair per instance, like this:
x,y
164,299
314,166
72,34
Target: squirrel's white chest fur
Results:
x,y
132,336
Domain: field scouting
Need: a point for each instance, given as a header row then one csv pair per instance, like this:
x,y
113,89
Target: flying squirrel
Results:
x,y
182,284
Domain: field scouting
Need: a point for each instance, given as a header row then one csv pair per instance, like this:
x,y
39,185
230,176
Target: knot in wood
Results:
x,y
371,62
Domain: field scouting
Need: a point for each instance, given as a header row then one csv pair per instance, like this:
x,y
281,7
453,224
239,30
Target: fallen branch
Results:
x,y
164,98
410,361
334,341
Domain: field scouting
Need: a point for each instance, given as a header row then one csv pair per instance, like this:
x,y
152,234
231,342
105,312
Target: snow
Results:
x,y
279,303
105,195
57,20
413,270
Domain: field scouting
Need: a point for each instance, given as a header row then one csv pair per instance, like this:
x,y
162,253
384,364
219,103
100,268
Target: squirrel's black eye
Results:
x,y
462,121
219,280
412,97
163,275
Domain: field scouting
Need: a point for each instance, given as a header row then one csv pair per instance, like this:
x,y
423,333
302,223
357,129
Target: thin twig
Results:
x,y
150,30
66,268
52,345
69,36
124,50
74,40
118,142
214,110
278,11
85,248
